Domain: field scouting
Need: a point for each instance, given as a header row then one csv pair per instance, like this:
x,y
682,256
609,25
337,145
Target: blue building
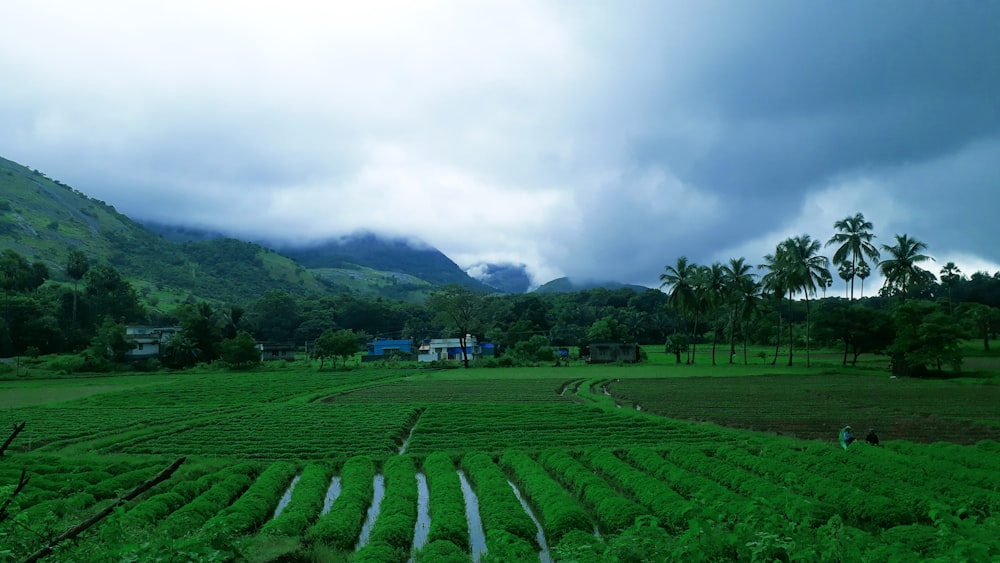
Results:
x,y
383,347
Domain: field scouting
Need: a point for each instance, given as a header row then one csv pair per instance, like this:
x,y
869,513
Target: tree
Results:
x,y
864,271
925,337
535,349
276,316
461,308
76,267
794,267
240,352
983,320
202,327
109,294
111,342
342,343
681,279
901,271
950,275
179,352
676,344
736,275
855,240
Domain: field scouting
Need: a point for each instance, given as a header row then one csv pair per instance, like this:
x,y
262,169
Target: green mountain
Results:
x,y
403,260
566,285
44,219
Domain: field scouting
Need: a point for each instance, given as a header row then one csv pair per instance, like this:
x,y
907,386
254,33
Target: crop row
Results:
x,y
508,527
392,535
217,389
305,504
732,493
263,433
492,391
447,505
559,512
339,527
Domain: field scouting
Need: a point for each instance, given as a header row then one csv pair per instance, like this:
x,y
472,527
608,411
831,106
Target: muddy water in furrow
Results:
x,y
331,494
379,485
544,556
477,537
423,515
287,497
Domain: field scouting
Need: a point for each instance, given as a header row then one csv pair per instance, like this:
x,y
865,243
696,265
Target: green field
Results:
x,y
654,462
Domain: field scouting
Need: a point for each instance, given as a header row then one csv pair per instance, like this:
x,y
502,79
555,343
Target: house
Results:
x,y
270,351
437,349
382,348
147,341
612,352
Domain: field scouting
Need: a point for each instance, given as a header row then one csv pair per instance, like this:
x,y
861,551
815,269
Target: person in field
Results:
x,y
846,436
872,437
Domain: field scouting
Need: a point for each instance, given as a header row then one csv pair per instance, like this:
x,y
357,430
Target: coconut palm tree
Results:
x,y
714,291
748,293
809,271
902,274
681,279
736,273
855,240
776,283
864,271
950,274
796,266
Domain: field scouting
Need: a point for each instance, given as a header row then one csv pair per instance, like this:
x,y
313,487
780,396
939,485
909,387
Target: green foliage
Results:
x,y
240,352
535,349
305,504
342,343
926,338
447,506
340,527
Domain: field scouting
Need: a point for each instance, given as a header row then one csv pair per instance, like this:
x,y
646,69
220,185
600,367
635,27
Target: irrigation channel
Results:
x,y
287,497
331,494
477,537
423,525
543,555
379,485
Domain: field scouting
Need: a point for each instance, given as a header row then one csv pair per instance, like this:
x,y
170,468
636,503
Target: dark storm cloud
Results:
x,y
594,139
785,97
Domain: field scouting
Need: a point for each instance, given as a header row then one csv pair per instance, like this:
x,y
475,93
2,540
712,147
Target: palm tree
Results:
x,y
736,273
950,274
714,292
796,266
855,240
864,271
776,282
680,279
749,296
902,274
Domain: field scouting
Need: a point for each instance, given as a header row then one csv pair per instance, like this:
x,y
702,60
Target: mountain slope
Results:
x,y
395,256
43,219
566,285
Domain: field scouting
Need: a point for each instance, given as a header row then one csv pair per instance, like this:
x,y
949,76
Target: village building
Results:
x,y
383,348
271,351
147,341
445,349
613,352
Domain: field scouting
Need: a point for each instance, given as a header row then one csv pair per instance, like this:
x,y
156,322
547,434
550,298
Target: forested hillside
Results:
x,y
44,220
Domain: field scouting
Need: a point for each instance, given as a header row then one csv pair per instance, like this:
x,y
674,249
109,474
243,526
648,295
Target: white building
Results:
x,y
448,349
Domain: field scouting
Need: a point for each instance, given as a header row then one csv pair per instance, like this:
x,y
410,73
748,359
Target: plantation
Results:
x,y
561,463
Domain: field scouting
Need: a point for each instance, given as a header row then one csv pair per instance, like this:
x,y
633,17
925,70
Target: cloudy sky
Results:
x,y
595,139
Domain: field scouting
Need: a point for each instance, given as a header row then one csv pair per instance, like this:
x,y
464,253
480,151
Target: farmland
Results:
x,y
585,463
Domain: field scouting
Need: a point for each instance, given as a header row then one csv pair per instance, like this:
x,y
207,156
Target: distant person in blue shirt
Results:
x,y
846,436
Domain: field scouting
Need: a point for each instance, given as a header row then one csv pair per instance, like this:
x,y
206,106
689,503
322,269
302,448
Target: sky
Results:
x,y
595,139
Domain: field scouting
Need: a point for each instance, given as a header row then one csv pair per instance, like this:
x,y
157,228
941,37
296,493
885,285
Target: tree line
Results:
x,y
715,311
